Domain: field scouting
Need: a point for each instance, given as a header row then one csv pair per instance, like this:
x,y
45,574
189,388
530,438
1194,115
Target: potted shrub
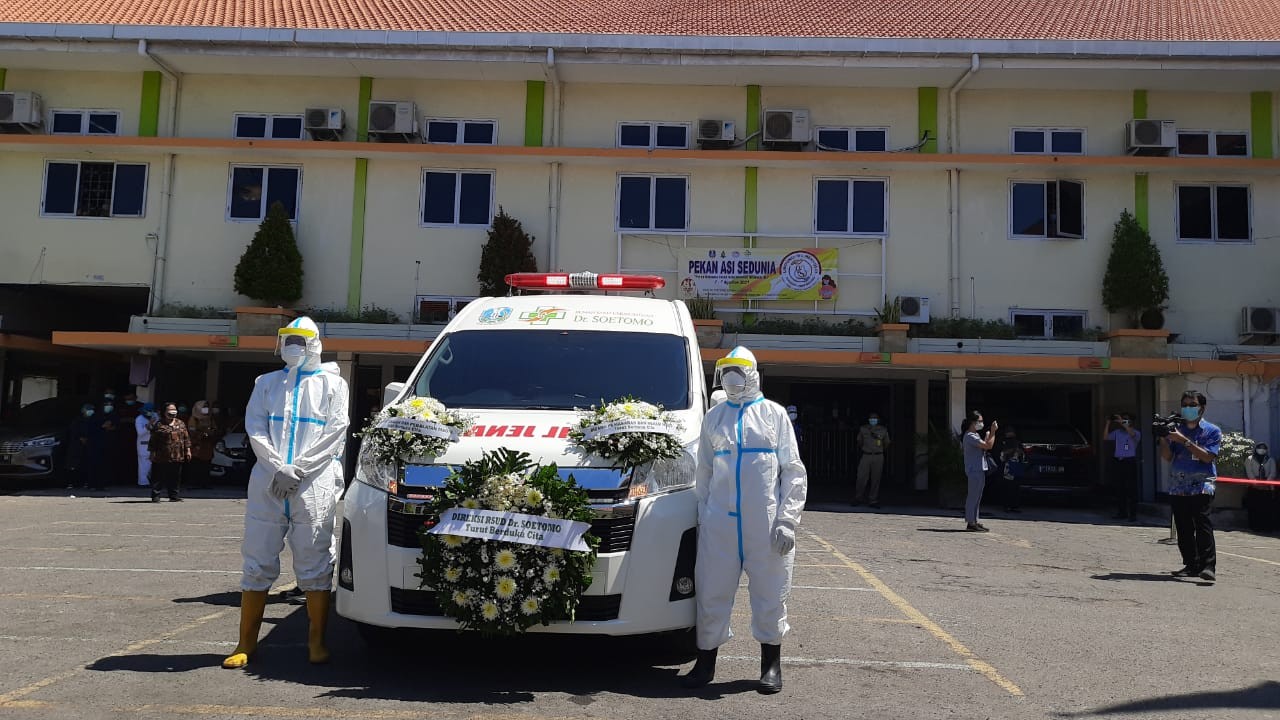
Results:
x,y
270,271
509,249
946,467
1136,286
893,334
710,330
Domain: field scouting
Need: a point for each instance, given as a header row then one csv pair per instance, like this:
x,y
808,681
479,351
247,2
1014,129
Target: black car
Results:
x,y
34,445
1054,458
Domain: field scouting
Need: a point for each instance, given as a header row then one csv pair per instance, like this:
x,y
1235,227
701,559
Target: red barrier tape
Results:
x,y
1242,481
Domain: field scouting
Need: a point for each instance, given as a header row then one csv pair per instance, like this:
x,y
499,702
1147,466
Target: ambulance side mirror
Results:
x,y
391,392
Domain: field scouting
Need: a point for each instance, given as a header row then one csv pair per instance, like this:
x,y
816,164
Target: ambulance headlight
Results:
x,y
662,476
376,473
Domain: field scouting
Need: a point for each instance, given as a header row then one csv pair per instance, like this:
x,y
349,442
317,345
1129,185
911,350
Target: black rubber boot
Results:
x,y
770,669
704,670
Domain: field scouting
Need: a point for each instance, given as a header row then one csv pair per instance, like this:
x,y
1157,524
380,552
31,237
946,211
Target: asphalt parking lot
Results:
x,y
113,606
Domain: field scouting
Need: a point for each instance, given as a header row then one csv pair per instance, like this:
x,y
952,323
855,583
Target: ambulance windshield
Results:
x,y
555,370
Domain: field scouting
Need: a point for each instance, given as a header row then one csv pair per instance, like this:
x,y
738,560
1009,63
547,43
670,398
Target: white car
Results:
x,y
521,365
232,456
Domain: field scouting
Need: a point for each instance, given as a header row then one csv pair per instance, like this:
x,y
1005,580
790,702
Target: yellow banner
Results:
x,y
758,274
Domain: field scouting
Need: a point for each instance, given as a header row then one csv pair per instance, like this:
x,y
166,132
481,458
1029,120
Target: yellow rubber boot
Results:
x,y
318,614
252,605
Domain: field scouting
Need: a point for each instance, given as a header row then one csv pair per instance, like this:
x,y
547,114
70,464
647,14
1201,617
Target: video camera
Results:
x,y
1162,425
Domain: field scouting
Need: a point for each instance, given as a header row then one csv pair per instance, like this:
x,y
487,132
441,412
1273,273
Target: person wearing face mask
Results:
x,y
872,442
1124,475
793,414
976,464
297,425
1261,500
751,488
85,435
107,456
142,442
1191,452
204,435
170,447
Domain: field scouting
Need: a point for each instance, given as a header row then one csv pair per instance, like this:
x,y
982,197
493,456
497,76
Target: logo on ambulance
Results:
x,y
543,315
494,315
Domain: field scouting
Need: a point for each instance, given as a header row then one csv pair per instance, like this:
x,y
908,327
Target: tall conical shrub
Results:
x,y
508,250
1135,280
270,269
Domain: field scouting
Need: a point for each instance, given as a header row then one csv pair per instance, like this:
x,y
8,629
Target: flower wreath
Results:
x,y
504,588
417,427
629,432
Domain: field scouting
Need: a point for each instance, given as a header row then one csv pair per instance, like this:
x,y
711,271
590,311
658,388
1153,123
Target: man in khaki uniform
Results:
x,y
873,441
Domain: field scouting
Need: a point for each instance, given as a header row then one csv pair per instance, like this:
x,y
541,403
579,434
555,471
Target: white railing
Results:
x,y
676,240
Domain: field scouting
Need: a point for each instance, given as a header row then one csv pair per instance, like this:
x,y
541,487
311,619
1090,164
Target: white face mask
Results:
x,y
293,355
977,427
733,382
793,416
204,411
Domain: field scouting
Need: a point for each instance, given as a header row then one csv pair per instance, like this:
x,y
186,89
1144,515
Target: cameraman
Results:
x,y
1192,451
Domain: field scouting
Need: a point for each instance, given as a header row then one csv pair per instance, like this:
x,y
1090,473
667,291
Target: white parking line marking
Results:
x,y
148,551
134,570
118,523
1250,557
860,663
157,537
824,587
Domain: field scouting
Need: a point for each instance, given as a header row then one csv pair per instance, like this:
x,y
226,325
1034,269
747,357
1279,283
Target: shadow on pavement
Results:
x,y
1264,696
1148,577
943,530
156,663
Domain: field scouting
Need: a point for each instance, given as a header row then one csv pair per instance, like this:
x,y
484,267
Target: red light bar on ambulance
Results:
x,y
584,281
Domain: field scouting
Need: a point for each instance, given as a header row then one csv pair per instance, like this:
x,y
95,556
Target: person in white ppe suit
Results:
x,y
751,488
297,422
141,426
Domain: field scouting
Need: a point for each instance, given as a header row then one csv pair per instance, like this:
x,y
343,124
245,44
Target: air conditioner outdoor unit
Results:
x,y
786,126
393,118
1148,136
324,123
1260,321
714,132
21,108
913,309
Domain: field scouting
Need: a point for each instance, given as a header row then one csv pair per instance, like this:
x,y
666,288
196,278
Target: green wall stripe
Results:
x,y
927,110
149,112
2,73
356,266
1141,208
535,107
751,195
753,116
1262,129
362,109
1139,104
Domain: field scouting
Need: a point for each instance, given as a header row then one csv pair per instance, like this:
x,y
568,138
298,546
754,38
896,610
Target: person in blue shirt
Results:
x,y
1191,452
976,465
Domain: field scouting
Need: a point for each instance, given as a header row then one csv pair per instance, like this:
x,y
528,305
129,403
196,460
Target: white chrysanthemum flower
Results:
x,y
551,575
452,541
407,436
489,610
471,504
505,560
461,598
533,497
529,606
557,552
505,588
452,574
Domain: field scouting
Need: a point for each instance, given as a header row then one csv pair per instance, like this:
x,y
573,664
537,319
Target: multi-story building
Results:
x,y
974,162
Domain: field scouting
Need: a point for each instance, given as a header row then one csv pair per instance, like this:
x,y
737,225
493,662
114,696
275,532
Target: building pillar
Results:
x,y
922,434
388,377
212,372
957,381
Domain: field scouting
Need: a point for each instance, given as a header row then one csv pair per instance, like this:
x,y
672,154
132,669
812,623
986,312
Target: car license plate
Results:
x,y
1051,468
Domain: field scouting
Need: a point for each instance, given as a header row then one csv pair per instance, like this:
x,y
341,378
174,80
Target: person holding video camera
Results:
x,y
1191,449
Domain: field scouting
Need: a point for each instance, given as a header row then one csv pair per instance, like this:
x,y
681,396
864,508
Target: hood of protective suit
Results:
x,y
742,359
306,328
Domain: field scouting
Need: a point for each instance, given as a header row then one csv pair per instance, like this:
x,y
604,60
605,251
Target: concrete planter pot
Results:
x,y
262,320
710,332
893,337
1138,343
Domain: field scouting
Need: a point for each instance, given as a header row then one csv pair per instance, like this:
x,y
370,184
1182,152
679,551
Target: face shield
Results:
x,y
296,341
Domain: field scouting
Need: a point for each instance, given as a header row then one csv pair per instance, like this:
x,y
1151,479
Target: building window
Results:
x,y
649,135
1047,141
443,131
268,127
1052,324
851,206
856,139
438,309
653,202
457,197
253,189
1046,209
1205,143
1214,213
85,122
94,189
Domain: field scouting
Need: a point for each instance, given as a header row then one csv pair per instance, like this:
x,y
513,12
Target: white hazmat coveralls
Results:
x,y
749,479
296,416
140,426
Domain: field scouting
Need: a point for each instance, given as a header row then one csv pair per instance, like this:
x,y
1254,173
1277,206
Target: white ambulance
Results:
x,y
520,366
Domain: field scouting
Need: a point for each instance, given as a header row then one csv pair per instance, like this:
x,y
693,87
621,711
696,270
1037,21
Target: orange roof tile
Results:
x,y
1137,20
